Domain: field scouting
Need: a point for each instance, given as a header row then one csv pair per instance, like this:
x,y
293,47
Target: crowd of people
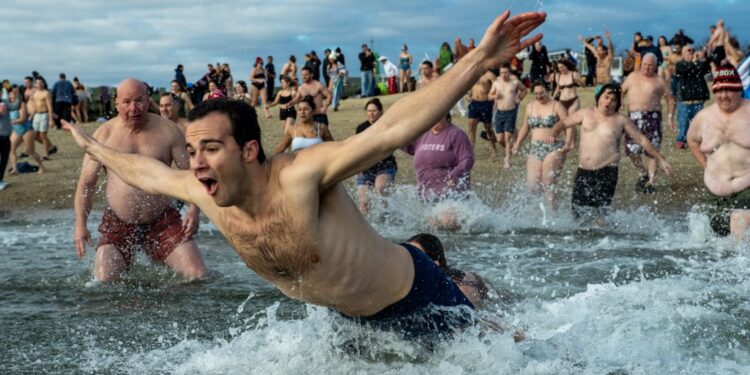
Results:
x,y
286,213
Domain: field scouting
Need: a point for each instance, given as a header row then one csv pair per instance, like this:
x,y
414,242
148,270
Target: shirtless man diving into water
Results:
x,y
290,219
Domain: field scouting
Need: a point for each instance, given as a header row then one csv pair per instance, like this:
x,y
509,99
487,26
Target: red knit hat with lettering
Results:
x,y
727,78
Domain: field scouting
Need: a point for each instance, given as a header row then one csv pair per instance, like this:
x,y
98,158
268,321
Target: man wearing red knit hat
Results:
x,y
719,138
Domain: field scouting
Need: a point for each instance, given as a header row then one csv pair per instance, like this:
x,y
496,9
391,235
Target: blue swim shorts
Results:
x,y
431,307
481,111
21,129
320,118
368,177
505,121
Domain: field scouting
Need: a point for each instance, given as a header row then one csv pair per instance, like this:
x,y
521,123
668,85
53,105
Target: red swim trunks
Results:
x,y
157,239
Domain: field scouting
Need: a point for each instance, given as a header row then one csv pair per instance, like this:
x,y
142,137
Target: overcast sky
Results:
x,y
103,42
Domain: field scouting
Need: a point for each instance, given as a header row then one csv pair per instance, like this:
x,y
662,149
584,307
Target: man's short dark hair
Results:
x,y
428,63
242,117
44,81
30,78
307,68
62,75
616,89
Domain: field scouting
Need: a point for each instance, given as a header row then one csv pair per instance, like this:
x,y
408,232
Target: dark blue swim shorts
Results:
x,y
433,304
320,118
505,121
481,111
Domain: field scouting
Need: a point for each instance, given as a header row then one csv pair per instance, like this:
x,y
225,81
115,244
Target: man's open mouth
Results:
x,y
210,184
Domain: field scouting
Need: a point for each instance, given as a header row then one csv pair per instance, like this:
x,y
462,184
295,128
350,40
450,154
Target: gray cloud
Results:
x,y
103,42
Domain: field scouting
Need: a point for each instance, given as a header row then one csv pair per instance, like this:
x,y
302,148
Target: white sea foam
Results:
x,y
646,293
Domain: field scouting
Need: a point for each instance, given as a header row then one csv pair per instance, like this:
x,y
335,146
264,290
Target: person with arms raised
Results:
x,y
289,217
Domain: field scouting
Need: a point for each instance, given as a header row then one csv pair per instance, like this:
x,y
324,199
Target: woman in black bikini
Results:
x,y
285,95
567,81
258,80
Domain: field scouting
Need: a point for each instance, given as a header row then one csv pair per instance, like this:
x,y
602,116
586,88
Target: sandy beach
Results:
x,y
55,189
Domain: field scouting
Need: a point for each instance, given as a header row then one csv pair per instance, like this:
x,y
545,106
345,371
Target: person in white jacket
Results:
x,y
390,71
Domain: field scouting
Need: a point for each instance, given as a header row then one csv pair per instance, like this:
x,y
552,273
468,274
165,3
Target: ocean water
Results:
x,y
642,293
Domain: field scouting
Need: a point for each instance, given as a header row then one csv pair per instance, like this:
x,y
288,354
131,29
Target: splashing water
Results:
x,y
646,293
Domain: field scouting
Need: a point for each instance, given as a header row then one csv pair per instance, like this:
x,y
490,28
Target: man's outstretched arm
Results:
x,y
413,115
144,173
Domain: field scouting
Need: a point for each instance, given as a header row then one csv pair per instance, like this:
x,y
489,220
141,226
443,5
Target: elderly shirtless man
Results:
x,y
289,217
507,92
719,138
643,91
602,128
134,218
318,91
480,109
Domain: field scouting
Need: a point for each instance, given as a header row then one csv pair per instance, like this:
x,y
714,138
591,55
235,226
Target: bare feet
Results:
x,y
506,164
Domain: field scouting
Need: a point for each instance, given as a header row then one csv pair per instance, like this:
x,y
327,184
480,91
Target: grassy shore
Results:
x,y
55,189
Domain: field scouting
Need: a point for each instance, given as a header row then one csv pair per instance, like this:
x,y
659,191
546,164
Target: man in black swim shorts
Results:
x,y
719,138
602,127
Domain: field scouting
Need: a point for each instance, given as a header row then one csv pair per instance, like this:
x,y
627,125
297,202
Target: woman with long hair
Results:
x,y
81,109
445,57
305,132
566,83
241,92
183,99
258,82
337,72
404,70
545,160
381,175
23,131
285,95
